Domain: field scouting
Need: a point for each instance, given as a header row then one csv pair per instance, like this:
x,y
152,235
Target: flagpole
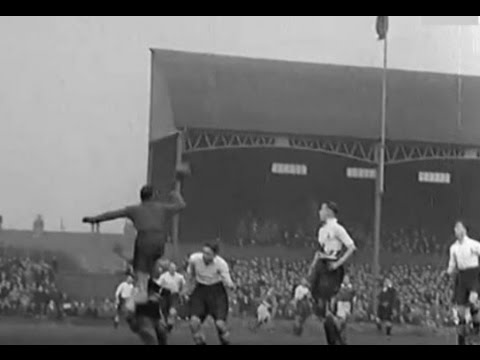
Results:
x,y
380,178
178,188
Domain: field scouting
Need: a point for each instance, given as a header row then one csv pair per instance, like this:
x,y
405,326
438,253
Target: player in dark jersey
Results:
x,y
387,306
342,308
148,321
150,219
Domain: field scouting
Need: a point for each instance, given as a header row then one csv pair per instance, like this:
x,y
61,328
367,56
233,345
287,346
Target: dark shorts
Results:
x,y
150,330
325,283
151,310
466,282
146,253
153,307
120,306
385,313
303,309
209,300
173,301
169,301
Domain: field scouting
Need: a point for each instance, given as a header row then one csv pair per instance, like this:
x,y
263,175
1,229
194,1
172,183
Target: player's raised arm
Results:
x,y
108,216
176,202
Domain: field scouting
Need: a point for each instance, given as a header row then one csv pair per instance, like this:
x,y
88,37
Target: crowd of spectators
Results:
x,y
424,293
415,241
93,309
405,240
28,288
256,231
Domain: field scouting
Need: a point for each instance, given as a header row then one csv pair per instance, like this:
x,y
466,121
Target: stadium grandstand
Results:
x,y
245,119
267,141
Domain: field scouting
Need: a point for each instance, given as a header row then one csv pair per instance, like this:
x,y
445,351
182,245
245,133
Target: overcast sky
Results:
x,y
74,92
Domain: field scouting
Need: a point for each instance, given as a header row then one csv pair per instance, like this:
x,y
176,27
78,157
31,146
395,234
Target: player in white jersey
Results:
x,y
266,310
327,269
302,304
211,277
122,294
464,266
172,286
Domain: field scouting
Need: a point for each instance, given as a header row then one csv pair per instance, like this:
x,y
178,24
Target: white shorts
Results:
x,y
344,309
263,314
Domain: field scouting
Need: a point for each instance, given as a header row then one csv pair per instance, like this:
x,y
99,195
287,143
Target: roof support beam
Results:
x,y
197,140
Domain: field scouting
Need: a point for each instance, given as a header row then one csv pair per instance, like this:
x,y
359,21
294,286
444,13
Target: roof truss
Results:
x,y
396,152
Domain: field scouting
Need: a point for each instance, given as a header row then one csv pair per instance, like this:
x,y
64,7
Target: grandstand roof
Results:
x,y
233,93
